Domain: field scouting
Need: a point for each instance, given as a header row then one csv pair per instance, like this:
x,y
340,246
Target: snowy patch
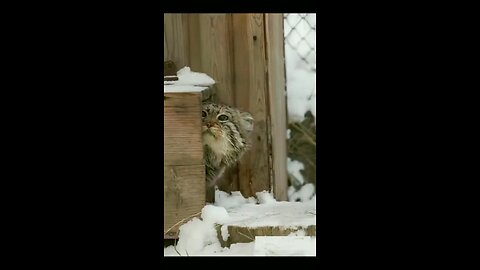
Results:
x,y
285,246
225,233
188,77
265,197
228,201
301,75
199,237
305,193
188,81
194,237
301,95
213,214
293,168
271,213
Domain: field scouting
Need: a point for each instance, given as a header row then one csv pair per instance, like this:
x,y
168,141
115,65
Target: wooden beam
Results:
x,y
277,103
211,52
176,39
250,95
238,234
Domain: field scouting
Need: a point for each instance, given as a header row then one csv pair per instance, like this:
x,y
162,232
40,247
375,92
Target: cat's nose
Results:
x,y
209,125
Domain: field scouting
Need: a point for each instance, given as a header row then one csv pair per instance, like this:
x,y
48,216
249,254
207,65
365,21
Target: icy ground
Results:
x,y
198,237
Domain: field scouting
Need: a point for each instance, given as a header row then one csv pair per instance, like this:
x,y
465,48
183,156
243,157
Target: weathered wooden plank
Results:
x,y
239,234
215,56
176,38
184,195
211,52
183,151
277,103
165,51
182,121
182,135
250,90
196,48
179,100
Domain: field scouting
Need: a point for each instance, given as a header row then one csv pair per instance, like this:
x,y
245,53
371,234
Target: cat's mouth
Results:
x,y
214,131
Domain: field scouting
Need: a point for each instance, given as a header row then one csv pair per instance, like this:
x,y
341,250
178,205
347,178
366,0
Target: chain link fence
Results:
x,y
300,60
300,35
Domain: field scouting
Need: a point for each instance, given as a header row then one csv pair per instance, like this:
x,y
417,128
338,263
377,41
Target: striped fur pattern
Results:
x,y
225,131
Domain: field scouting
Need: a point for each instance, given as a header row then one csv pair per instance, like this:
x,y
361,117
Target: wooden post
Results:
x,y
250,95
184,169
211,52
176,39
277,103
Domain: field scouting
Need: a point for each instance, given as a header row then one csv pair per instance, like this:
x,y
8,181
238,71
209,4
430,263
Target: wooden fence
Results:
x,y
244,54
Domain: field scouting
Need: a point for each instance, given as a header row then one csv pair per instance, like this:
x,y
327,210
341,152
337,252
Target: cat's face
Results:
x,y
217,119
224,131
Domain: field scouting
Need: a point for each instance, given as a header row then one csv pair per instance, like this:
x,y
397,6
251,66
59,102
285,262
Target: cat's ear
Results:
x,y
247,121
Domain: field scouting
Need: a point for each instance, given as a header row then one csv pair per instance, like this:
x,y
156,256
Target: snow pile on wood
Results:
x,y
198,237
188,81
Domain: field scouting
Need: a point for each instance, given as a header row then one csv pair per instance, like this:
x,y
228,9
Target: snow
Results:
x,y
198,237
300,38
305,193
293,168
285,246
265,197
188,81
301,75
214,214
227,201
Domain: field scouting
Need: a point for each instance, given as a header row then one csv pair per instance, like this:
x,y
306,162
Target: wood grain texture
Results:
x,y
239,234
180,100
182,131
277,100
176,38
251,89
184,170
211,52
165,52
216,58
184,195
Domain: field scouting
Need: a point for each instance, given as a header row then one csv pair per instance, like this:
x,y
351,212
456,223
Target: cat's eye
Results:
x,y
204,114
222,117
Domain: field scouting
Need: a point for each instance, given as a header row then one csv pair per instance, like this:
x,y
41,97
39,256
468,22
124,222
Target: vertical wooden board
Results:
x,y
229,182
176,38
250,89
179,100
182,129
277,102
184,195
195,46
165,52
216,52
212,51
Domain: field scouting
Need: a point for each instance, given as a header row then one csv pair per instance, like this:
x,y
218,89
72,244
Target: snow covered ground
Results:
x,y
198,237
